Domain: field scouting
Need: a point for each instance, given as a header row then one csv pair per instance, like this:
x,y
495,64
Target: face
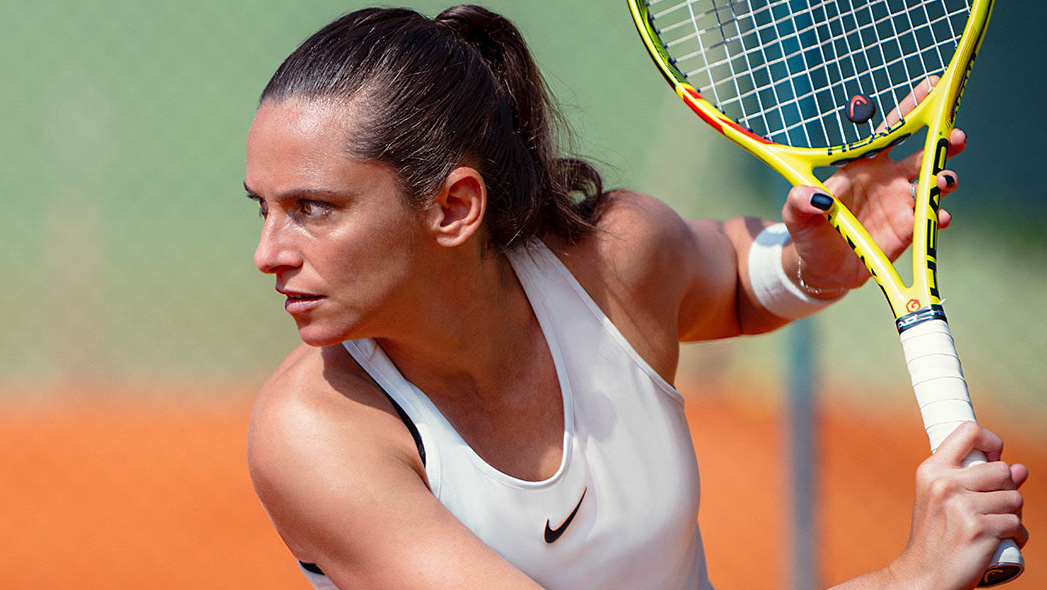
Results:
x,y
338,235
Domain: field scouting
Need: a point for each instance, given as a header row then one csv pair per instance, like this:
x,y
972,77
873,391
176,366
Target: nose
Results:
x,y
276,248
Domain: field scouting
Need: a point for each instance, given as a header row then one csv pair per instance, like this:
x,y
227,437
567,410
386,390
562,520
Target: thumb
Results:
x,y
806,205
828,262
968,437
804,212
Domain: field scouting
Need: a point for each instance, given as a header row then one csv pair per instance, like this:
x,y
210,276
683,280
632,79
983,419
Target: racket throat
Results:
x,y
926,314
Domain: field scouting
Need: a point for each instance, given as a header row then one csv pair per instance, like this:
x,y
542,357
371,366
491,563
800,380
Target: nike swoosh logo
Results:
x,y
551,534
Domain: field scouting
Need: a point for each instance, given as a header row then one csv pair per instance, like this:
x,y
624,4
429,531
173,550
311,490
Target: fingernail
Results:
x,y
950,180
822,201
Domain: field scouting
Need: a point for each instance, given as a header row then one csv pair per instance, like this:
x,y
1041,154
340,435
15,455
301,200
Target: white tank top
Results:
x,y
621,512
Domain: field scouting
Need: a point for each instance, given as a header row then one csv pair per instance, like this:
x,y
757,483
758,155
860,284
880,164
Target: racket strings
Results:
x,y
788,69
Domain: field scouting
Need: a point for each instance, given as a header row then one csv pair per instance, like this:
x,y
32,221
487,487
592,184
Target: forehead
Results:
x,y
303,124
296,141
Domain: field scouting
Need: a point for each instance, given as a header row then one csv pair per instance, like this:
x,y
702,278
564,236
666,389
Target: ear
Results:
x,y
457,212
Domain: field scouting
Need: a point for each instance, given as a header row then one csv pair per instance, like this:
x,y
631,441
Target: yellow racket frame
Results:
x,y
937,112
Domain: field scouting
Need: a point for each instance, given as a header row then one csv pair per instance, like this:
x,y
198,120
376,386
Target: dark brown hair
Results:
x,y
429,95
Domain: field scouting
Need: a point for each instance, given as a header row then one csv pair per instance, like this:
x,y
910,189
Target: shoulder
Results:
x,y
320,428
633,267
634,238
659,278
339,476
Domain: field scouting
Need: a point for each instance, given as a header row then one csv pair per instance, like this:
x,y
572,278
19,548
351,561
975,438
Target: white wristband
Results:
x,y
773,289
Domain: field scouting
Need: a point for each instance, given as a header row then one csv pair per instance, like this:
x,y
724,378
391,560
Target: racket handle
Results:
x,y
941,392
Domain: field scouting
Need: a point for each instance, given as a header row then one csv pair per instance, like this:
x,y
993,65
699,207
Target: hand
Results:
x,y
878,191
960,513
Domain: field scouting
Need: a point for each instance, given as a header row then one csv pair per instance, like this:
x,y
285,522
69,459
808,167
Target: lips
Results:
x,y
299,302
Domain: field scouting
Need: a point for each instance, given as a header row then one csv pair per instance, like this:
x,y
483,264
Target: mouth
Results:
x,y
298,302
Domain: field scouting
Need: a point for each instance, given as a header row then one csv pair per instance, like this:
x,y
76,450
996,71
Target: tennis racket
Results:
x,y
799,84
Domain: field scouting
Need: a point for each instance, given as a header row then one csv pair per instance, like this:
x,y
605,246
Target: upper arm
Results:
x,y
663,280
704,264
687,271
335,470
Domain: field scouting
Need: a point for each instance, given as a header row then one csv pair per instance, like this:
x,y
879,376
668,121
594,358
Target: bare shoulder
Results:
x,y
632,268
318,425
660,278
634,234
340,477
315,391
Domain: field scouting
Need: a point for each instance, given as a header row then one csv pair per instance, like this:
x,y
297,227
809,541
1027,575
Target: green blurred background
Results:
x,y
126,244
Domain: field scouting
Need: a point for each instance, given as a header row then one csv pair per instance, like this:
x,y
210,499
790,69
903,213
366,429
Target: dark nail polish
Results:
x,y
949,180
822,201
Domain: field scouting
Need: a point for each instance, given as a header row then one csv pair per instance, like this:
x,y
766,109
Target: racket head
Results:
x,y
745,67
798,74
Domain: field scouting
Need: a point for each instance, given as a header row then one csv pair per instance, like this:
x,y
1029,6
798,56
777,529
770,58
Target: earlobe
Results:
x,y
457,212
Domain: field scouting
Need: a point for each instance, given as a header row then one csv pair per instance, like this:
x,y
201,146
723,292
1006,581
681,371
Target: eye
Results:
x,y
309,208
263,208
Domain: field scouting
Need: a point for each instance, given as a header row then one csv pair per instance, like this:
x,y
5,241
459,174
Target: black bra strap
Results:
x,y
410,426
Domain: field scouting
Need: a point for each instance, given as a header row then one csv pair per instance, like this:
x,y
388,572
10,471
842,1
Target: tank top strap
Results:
x,y
567,307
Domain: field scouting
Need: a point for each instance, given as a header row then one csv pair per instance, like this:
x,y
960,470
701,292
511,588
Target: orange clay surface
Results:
x,y
107,493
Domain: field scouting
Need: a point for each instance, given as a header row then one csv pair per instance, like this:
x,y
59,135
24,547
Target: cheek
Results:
x,y
376,257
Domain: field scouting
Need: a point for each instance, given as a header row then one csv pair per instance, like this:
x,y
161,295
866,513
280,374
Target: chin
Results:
x,y
320,336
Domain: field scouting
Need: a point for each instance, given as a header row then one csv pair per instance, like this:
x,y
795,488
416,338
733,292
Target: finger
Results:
x,y
1022,537
947,181
986,477
908,103
967,437
989,443
911,163
1019,474
944,218
1002,502
957,142
1003,526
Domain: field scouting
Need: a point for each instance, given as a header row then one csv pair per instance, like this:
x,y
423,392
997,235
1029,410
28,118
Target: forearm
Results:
x,y
883,579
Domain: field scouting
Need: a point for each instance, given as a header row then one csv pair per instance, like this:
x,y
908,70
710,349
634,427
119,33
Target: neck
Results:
x,y
471,334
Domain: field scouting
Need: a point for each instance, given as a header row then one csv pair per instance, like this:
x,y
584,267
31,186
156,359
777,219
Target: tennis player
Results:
x,y
484,394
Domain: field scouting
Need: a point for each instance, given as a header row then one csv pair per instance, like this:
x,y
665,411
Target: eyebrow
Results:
x,y
297,193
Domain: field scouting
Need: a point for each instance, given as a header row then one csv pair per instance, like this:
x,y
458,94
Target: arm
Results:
x,y
959,516
339,475
648,260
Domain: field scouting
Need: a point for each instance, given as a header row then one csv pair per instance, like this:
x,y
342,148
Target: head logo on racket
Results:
x,y
860,109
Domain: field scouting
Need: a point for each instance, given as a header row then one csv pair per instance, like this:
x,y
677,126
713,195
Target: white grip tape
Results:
x,y
941,392
937,379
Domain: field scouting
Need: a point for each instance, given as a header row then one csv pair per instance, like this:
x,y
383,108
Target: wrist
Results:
x,y
894,577
833,293
779,293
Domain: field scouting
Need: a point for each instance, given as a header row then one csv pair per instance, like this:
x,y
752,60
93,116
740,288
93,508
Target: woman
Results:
x,y
483,394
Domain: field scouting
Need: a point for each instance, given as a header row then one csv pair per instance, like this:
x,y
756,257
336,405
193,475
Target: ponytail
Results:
x,y
460,89
536,119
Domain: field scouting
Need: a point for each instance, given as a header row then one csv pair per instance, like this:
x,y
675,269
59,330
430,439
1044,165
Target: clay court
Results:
x,y
110,494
